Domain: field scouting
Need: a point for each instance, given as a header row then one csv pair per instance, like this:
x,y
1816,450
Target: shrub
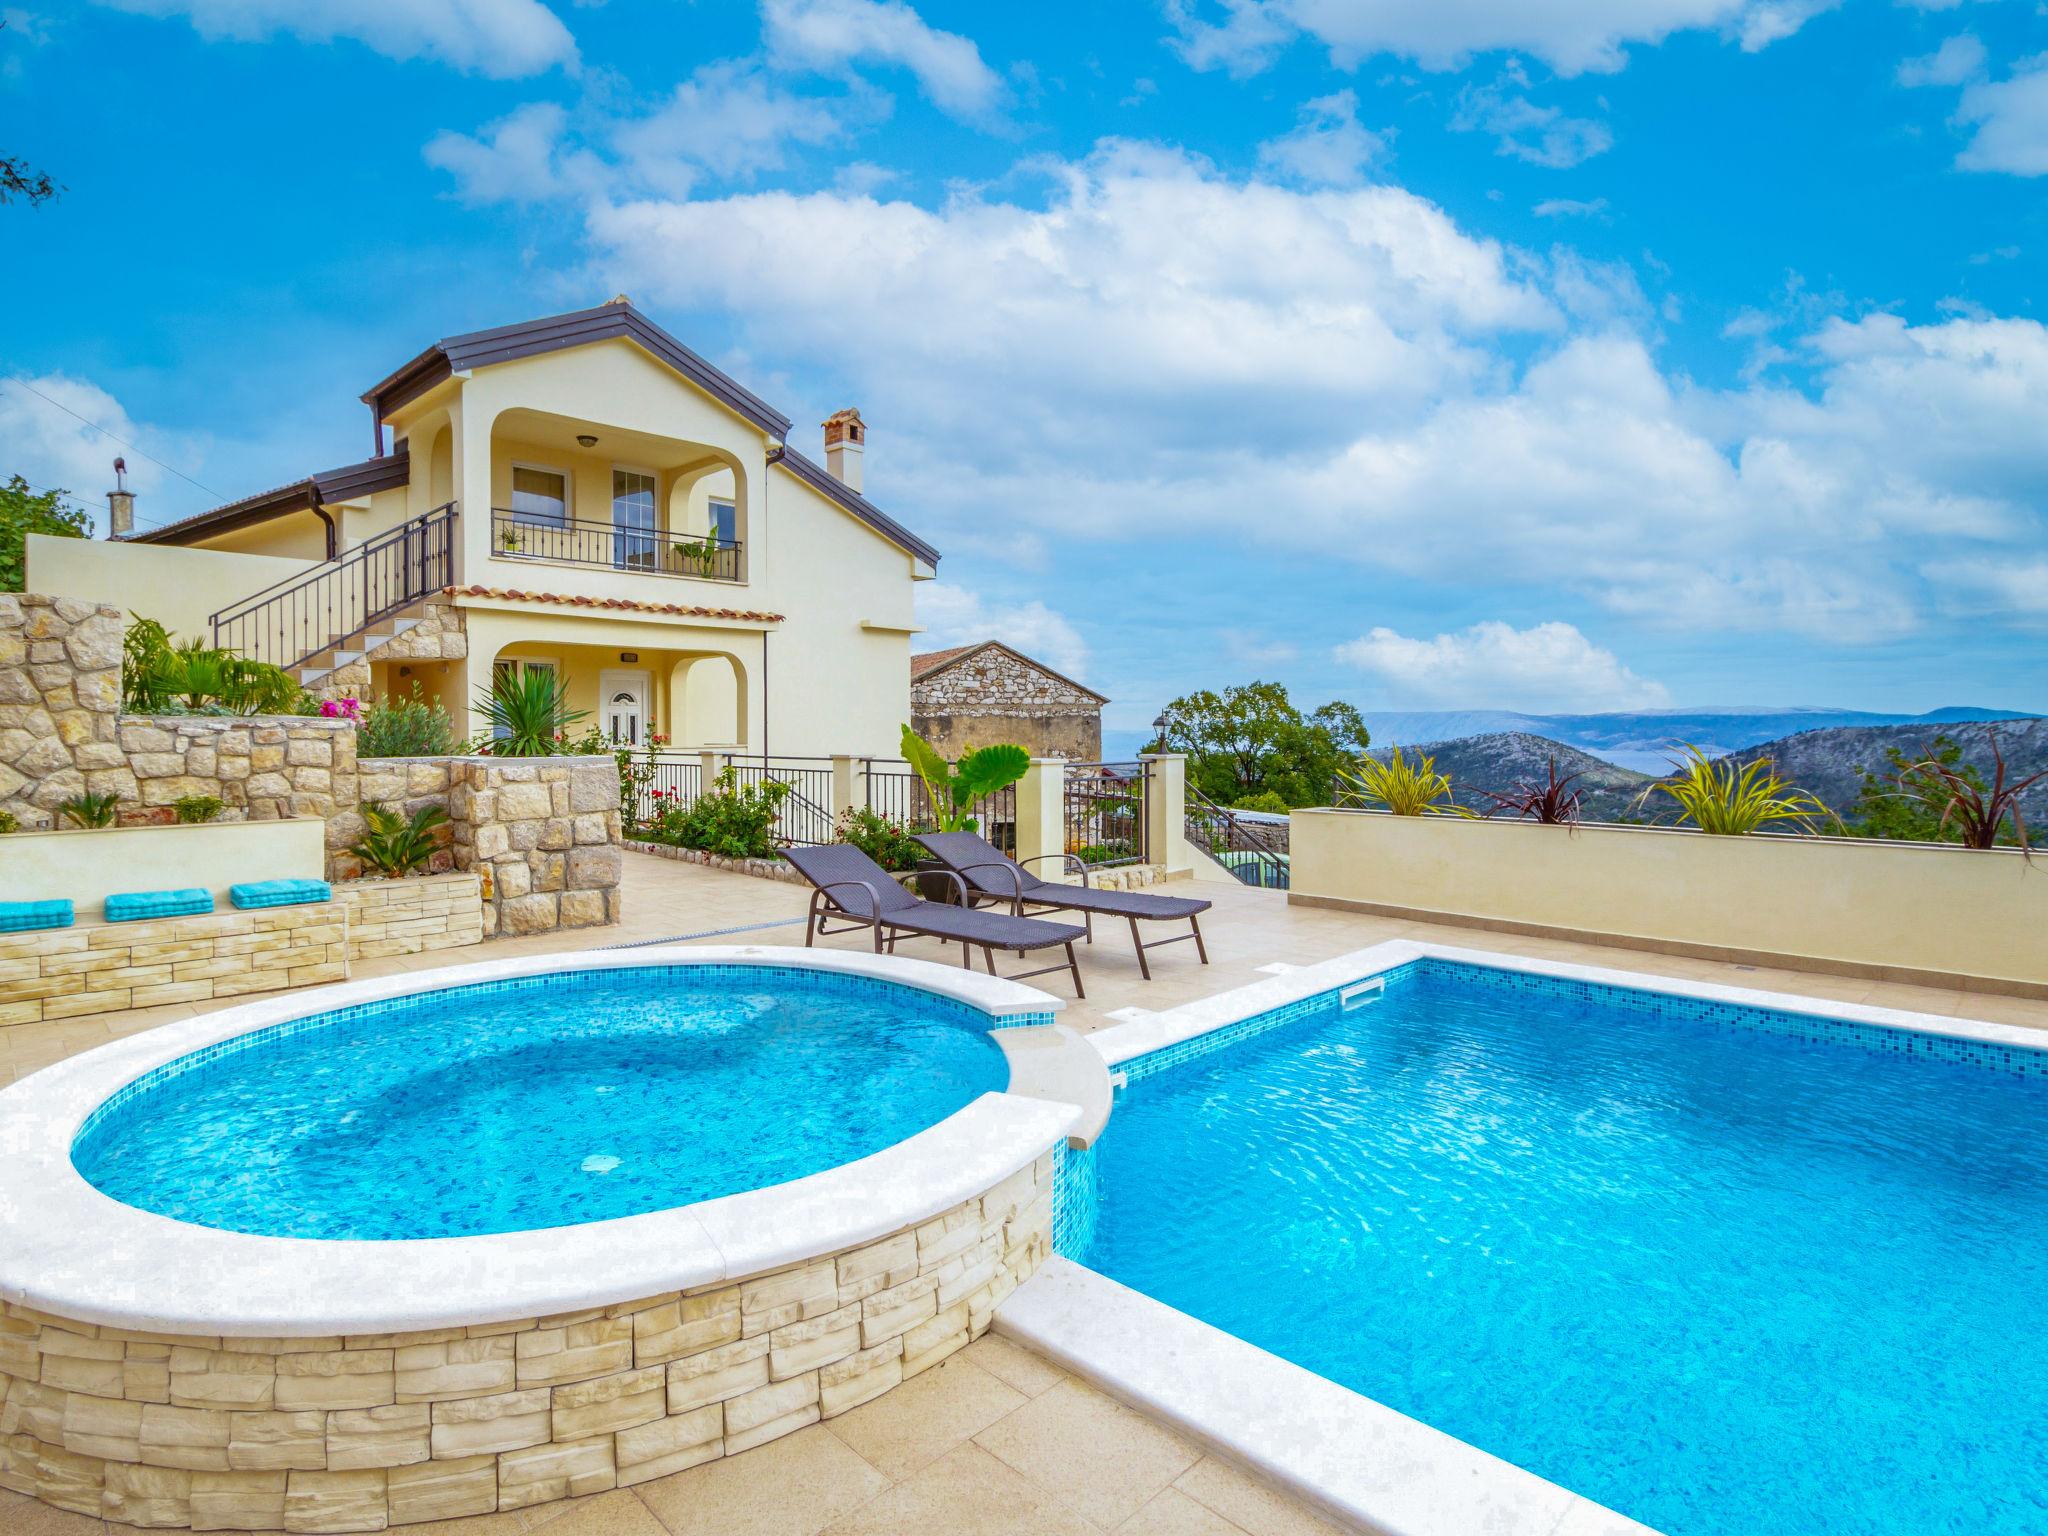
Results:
x,y
526,714
191,809
888,842
1732,801
1264,800
1976,813
396,845
413,726
91,810
732,820
1402,787
1554,802
9,823
194,678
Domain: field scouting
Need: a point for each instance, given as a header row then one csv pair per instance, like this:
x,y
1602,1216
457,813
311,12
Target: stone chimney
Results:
x,y
120,504
846,438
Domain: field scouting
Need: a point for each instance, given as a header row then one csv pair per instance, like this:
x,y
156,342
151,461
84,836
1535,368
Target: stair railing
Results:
x,y
291,621
1250,850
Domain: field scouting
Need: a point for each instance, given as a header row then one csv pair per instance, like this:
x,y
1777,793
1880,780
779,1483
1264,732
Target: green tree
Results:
x,y
1884,808
1250,742
24,511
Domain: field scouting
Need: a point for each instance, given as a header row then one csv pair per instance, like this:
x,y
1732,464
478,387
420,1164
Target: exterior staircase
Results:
x,y
344,610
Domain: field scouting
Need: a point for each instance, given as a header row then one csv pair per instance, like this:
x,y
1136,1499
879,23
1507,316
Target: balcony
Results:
x,y
612,547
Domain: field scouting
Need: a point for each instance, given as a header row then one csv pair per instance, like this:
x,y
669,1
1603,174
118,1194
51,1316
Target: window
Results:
x,y
634,545
725,522
540,495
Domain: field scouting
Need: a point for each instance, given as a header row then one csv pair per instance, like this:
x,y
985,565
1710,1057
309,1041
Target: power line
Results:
x,y
159,463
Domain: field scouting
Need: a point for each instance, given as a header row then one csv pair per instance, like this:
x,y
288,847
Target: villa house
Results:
x,y
582,494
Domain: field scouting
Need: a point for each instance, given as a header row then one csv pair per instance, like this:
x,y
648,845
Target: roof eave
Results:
x,y
832,487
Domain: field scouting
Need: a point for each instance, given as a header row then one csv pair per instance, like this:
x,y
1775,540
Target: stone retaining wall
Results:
x,y
760,869
544,834
354,1434
106,967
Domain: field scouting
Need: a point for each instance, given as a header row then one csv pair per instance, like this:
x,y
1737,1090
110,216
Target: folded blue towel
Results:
x,y
134,906
279,893
21,916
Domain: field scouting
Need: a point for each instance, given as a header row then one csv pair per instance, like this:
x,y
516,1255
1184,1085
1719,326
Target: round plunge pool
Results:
x,y
538,1101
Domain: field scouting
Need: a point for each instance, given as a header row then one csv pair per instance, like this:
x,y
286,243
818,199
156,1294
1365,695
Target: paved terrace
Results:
x,y
996,1440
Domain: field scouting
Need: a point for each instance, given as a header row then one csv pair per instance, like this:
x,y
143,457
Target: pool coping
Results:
x,y
1351,1456
67,1249
1136,1037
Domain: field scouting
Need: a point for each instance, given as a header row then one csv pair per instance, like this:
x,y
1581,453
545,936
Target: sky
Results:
x,y
1529,354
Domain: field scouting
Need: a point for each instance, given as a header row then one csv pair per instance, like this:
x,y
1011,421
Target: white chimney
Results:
x,y
120,504
846,438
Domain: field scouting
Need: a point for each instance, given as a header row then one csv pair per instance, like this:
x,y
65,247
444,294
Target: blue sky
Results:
x,y
1464,353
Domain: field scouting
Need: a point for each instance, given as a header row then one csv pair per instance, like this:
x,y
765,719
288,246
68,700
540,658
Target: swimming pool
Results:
x,y
1715,1267
543,1101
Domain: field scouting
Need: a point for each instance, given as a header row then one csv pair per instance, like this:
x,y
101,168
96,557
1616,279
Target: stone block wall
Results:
x,y
992,695
365,1432
544,834
60,691
106,967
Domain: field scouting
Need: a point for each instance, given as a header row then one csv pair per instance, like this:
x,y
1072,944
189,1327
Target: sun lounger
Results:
x,y
849,884
990,873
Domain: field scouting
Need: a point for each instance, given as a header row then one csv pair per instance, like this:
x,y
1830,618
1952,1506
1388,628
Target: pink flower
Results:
x,y
342,708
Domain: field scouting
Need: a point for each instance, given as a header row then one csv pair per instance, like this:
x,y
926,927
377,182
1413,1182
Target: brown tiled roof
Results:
x,y
931,661
617,604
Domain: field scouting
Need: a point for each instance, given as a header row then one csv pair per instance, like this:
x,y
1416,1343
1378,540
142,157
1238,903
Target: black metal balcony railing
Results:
x,y
610,546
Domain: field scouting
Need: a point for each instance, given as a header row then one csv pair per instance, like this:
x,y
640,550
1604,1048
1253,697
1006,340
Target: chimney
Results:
x,y
846,437
120,504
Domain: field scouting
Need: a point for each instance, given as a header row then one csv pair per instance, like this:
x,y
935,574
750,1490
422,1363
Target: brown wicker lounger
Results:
x,y
989,872
854,886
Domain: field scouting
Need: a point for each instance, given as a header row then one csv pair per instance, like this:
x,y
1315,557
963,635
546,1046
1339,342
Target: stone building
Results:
x,y
978,695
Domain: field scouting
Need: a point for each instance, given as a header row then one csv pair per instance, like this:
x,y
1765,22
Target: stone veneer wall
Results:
x,y
358,1433
992,697
61,973
544,834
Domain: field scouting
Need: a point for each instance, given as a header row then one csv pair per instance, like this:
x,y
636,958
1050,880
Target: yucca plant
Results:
x,y
1553,802
397,845
525,713
1977,811
1730,800
1399,786
91,810
953,788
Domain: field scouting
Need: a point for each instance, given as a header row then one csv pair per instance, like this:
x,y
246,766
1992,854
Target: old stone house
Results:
x,y
978,695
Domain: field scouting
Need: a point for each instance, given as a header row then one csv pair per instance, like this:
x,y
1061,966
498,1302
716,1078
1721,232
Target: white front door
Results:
x,y
624,715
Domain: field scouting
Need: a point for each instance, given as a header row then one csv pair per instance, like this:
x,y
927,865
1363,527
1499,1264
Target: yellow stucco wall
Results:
x,y
1846,901
294,536
179,588
85,867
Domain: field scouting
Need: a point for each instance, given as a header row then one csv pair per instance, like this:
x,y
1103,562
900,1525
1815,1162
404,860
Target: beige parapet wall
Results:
x,y
1918,912
180,588
357,1433
85,866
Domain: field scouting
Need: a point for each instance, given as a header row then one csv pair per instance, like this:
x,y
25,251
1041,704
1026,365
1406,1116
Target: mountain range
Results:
x,y
1646,740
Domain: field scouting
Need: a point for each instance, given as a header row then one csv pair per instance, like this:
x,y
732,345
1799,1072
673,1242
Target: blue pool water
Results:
x,y
1720,1279
539,1103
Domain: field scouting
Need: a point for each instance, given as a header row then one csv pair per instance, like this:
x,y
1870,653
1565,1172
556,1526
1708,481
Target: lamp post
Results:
x,y
1159,730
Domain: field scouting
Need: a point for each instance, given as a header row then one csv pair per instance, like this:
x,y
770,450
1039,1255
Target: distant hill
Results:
x,y
1829,763
1499,760
1643,739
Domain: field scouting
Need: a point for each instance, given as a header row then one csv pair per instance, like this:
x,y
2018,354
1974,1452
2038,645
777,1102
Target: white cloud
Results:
x,y
2000,589
953,615
1955,61
1328,147
501,38
1572,36
1569,208
514,160
2011,117
1496,666
1526,131
50,447
727,119
831,36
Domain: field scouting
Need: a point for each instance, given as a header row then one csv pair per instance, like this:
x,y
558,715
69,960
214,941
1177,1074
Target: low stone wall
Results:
x,y
544,834
354,1434
106,967
760,869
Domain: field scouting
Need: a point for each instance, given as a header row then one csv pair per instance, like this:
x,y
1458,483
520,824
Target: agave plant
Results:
x,y
1553,802
525,713
953,788
397,845
1402,787
1730,800
1977,811
91,810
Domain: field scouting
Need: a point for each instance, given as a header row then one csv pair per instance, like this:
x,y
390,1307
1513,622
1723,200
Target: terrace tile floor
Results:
x,y
996,1440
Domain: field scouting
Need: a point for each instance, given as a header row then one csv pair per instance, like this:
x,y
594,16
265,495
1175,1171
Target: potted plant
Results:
x,y
701,553
511,540
952,790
